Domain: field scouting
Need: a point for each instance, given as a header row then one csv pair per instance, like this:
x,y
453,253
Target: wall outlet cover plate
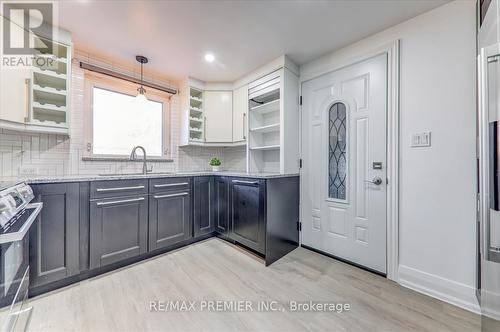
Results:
x,y
28,170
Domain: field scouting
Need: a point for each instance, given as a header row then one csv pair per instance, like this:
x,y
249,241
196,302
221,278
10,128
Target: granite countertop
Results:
x,y
81,178
4,184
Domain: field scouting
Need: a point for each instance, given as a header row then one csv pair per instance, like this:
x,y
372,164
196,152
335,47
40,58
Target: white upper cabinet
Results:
x,y
207,114
35,96
224,114
218,116
240,109
14,94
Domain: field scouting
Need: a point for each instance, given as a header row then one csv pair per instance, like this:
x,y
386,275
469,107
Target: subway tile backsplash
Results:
x,y
51,155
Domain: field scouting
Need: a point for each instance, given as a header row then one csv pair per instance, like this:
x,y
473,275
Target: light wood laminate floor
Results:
x,y
216,270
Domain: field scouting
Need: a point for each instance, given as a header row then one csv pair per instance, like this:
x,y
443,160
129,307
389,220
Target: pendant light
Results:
x,y
141,96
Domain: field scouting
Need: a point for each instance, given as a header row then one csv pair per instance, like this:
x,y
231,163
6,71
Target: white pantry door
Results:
x,y
345,163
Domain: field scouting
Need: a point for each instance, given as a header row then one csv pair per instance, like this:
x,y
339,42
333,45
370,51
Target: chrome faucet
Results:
x,y
133,157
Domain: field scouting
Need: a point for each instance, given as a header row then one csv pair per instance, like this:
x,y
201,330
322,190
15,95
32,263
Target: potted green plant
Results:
x,y
215,163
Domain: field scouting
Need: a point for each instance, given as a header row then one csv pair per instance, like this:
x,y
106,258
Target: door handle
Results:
x,y
254,183
205,128
171,195
376,181
244,126
119,188
121,201
29,97
171,184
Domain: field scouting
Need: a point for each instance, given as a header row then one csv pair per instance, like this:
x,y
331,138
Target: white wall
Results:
x,y
437,184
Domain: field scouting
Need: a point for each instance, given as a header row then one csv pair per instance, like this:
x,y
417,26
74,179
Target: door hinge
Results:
x,y
300,163
299,226
300,100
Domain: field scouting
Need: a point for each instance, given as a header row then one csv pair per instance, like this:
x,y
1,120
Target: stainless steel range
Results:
x,y
17,214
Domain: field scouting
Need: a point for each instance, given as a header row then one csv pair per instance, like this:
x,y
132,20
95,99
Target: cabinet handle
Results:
x,y
121,201
204,128
244,126
118,188
171,195
246,182
28,100
171,184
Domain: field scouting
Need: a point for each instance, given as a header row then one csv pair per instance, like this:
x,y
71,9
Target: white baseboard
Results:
x,y
446,290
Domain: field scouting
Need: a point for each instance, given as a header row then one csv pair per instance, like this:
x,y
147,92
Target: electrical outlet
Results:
x,y
28,170
421,139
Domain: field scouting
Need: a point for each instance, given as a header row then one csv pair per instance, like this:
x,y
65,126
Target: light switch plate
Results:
x,y
421,139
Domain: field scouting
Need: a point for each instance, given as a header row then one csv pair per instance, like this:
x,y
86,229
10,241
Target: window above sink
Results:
x,y
116,121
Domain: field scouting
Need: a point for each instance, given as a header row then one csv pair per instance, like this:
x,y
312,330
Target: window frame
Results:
x,y
332,102
346,156
100,81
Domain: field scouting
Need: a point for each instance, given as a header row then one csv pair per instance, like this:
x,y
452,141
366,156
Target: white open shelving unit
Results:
x,y
273,112
196,115
36,96
49,102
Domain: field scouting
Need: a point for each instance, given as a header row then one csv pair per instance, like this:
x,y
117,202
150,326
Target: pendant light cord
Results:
x,y
142,60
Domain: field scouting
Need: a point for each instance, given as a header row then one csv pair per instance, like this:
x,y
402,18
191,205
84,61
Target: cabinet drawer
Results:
x,y
167,184
101,189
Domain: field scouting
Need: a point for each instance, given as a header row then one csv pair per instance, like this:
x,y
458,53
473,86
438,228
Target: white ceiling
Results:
x,y
242,35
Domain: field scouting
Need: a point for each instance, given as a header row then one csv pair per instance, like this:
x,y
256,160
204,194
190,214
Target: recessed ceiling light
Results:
x,y
209,57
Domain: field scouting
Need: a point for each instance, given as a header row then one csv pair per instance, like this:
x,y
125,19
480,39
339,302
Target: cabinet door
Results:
x,y
15,94
118,229
169,218
203,205
218,107
248,213
54,237
240,109
221,205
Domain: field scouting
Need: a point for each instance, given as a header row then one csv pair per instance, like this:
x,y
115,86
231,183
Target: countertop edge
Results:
x,y
117,159
90,178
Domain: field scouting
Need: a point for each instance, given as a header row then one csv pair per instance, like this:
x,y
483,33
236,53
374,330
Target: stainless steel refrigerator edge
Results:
x,y
488,64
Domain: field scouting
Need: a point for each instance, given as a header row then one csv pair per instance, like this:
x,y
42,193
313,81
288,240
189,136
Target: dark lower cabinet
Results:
x,y
118,229
169,218
203,192
221,205
248,213
54,237
86,226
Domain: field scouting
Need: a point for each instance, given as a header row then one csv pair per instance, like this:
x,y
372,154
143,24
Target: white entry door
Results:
x,y
344,172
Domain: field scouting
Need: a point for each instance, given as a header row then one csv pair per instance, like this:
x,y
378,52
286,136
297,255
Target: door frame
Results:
x,y
392,50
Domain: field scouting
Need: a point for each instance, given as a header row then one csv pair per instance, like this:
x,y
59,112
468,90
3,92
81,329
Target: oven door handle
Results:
x,y
19,235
